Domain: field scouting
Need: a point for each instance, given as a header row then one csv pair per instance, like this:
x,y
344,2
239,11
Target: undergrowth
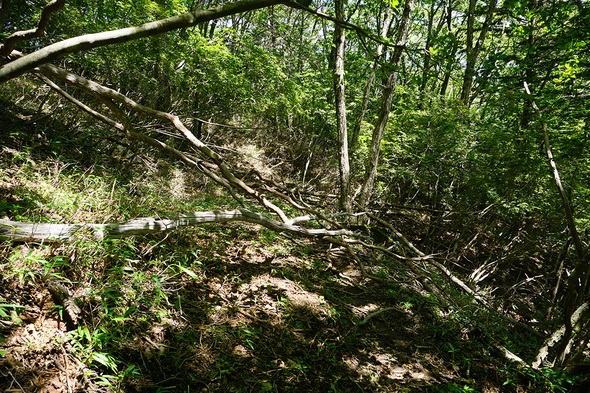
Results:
x,y
230,307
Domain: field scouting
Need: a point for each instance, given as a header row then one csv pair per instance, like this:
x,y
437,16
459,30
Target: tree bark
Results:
x,y
373,159
340,101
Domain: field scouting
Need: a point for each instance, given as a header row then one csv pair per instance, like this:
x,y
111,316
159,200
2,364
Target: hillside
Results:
x,y
294,196
220,307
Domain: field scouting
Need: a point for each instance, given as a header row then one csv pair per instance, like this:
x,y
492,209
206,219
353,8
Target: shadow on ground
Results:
x,y
224,308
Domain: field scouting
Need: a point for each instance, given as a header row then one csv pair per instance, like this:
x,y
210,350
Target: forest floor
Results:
x,y
216,308
288,318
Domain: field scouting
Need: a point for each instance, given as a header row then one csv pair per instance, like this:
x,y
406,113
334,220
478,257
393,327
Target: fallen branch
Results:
x,y
109,97
375,313
559,334
203,166
61,297
48,232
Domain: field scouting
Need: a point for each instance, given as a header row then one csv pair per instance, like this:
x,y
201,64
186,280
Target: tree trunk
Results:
x,y
427,57
344,166
369,83
451,57
363,109
473,51
529,63
468,77
373,159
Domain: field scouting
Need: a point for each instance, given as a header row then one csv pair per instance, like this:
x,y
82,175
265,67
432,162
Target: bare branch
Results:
x,y
134,135
53,6
106,95
80,104
88,41
569,215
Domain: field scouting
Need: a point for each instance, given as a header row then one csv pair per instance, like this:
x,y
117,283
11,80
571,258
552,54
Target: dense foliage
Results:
x,y
463,173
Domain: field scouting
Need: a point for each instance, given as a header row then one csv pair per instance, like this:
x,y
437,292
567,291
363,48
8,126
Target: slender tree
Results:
x,y
472,50
431,33
387,97
370,79
340,100
453,50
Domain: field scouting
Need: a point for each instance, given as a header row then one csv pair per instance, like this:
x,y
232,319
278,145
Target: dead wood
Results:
x,y
49,232
61,297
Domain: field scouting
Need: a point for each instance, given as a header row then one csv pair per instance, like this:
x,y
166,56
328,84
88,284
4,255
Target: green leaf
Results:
x,y
189,272
105,359
5,306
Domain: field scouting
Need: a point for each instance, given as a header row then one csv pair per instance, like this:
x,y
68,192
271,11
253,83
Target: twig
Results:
x,y
248,315
66,369
14,379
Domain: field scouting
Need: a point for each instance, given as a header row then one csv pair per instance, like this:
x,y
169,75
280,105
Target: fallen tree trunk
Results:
x,y
48,232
